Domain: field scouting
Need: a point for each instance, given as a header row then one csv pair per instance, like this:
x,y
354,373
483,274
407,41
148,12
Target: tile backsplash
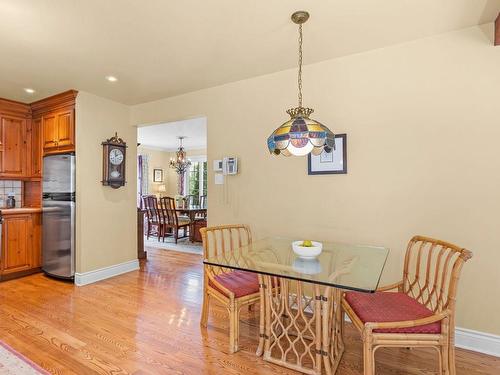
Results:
x,y
11,186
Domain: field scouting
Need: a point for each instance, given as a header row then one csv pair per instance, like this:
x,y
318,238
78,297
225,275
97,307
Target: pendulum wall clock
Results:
x,y
113,162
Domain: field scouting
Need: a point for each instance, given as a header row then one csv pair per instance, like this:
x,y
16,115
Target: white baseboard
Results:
x,y
106,272
477,341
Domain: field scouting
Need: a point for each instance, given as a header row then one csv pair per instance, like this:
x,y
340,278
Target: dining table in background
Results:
x,y
191,212
301,298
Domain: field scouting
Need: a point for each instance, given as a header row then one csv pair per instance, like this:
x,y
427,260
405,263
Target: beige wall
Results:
x,y
422,126
106,218
160,159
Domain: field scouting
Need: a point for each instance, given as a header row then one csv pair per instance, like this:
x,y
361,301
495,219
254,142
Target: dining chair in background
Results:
x,y
421,310
233,288
172,223
154,216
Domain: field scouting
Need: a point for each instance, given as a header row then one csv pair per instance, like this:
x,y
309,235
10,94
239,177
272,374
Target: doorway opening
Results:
x,y
172,184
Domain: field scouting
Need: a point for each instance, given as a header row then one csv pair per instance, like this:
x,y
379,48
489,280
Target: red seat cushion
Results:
x,y
241,283
391,307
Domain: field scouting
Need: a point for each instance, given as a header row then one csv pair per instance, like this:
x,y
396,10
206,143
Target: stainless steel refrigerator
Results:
x,y
58,220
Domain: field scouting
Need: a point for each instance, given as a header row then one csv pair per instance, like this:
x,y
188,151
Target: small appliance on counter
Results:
x,y
11,200
58,220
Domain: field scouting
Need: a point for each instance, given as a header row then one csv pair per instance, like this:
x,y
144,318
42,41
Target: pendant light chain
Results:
x,y
299,78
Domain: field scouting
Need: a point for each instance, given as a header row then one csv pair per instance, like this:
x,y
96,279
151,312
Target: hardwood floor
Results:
x,y
147,322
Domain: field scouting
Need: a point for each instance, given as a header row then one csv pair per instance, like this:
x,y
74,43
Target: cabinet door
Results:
x,y
16,243
13,134
49,131
36,147
65,128
35,239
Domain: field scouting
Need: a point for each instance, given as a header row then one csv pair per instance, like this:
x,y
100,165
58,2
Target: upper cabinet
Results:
x,y
35,138
58,130
57,118
14,124
12,146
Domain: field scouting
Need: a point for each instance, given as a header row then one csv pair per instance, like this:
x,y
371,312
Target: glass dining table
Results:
x,y
300,310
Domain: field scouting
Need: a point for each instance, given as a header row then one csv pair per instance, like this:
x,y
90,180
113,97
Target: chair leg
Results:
x,y
444,354
233,327
440,360
451,360
237,327
451,351
176,234
205,309
368,360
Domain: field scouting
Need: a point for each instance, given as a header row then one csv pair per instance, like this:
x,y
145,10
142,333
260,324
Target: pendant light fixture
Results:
x,y
180,163
300,135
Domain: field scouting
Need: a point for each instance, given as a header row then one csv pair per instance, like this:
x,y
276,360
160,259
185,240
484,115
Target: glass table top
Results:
x,y
343,266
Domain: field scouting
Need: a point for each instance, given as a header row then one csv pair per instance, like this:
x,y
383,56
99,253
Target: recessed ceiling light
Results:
x,y
29,91
112,78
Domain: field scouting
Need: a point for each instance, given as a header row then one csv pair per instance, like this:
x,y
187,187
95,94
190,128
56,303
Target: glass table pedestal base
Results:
x,y
302,325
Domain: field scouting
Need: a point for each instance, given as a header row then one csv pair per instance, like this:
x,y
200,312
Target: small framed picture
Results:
x,y
333,162
157,175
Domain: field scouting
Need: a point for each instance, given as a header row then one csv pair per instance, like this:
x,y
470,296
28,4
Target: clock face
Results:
x,y
116,156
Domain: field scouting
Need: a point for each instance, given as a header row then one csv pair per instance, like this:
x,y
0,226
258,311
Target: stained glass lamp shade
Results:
x,y
301,135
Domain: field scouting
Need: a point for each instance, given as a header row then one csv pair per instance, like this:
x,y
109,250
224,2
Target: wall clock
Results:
x,y
113,162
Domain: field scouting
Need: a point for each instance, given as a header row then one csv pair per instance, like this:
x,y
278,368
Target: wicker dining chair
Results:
x,y
233,288
421,312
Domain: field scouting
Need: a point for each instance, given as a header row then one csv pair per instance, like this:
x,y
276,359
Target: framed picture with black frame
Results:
x,y
333,162
157,175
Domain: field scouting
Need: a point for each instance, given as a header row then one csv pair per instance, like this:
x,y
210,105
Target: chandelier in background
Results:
x,y
300,135
180,163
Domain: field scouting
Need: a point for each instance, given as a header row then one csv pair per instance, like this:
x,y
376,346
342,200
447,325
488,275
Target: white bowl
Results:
x,y
307,252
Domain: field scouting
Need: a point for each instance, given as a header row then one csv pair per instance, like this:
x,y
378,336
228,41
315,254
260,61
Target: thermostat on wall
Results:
x,y
218,165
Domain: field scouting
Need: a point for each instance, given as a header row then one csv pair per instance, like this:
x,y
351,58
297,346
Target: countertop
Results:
x,y
21,210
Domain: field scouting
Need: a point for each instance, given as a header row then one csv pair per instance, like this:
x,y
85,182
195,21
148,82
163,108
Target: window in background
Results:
x,y
196,177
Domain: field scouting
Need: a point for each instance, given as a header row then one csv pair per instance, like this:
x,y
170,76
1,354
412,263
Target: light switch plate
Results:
x,y
219,179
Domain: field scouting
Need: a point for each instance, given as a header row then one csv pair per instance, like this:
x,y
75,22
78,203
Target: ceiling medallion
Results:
x,y
300,135
180,163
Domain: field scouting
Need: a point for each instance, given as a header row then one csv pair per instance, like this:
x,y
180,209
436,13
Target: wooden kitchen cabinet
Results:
x,y
21,244
36,147
58,131
49,131
13,146
16,243
57,122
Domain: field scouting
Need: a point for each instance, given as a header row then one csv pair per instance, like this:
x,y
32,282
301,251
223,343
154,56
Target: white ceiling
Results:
x,y
160,48
165,136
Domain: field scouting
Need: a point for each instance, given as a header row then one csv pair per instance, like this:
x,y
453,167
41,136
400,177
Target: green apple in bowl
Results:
x,y
307,249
